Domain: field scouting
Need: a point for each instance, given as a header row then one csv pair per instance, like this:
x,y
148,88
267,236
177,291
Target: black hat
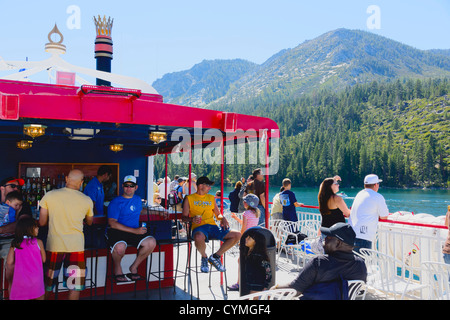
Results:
x,y
342,231
204,180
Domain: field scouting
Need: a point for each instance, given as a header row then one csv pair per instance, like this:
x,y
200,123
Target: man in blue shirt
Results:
x,y
124,229
94,188
289,202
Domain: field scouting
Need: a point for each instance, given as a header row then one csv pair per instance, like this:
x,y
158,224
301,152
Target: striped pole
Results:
x,y
103,47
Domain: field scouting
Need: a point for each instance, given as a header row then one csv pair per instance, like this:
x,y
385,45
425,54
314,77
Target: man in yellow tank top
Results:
x,y
199,209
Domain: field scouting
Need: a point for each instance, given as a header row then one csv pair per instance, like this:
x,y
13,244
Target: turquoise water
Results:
x,y
433,202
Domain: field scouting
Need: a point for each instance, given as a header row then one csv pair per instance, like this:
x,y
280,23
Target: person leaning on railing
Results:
x,y
446,248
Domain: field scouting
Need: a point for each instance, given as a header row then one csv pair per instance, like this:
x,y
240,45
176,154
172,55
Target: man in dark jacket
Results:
x,y
338,263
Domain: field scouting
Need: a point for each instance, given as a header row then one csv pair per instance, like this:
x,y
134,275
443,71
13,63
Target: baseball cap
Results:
x,y
372,179
252,200
12,180
342,231
204,180
131,179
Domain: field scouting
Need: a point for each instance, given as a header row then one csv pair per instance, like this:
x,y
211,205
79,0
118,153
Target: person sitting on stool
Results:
x,y
124,229
199,208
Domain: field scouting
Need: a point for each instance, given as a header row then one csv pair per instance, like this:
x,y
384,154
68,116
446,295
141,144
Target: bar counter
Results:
x,y
160,225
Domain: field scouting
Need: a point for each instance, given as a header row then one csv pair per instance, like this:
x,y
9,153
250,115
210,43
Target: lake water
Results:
x,y
433,202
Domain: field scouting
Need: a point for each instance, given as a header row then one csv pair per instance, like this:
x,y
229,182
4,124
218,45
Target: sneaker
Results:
x,y
216,263
204,266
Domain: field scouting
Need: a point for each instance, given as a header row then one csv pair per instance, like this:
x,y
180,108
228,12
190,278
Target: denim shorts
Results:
x,y
211,231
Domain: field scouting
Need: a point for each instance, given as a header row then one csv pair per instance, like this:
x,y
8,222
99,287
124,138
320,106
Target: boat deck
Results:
x,y
286,271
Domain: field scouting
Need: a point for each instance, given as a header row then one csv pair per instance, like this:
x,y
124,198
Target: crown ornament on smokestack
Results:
x,y
103,46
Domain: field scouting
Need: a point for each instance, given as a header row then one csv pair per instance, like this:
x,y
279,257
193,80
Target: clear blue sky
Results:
x,y
152,38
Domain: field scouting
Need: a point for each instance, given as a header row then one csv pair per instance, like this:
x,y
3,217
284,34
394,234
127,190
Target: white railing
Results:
x,y
411,243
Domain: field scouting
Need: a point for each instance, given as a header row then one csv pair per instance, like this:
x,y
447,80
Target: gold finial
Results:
x,y
103,26
55,47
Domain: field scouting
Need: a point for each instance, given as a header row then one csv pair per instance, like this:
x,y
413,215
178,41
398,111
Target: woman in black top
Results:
x,y
331,206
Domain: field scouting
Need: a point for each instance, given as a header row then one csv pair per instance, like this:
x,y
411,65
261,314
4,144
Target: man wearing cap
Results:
x,y
368,207
125,229
11,184
324,272
199,209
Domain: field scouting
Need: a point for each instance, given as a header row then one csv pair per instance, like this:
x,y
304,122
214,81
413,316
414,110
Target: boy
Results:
x,y
14,199
289,202
13,205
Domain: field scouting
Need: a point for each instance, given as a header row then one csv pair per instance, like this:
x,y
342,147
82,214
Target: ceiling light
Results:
x,y
34,130
24,144
158,136
116,147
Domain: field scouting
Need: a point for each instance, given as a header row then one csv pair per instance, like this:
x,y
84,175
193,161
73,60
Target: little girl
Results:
x,y
25,262
258,272
250,219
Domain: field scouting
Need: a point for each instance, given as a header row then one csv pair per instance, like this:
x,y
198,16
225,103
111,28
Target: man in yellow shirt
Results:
x,y
199,209
64,211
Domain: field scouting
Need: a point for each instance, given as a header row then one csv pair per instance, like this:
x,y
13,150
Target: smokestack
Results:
x,y
103,47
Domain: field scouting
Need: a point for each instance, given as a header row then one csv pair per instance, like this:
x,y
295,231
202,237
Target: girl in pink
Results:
x,y
25,262
250,219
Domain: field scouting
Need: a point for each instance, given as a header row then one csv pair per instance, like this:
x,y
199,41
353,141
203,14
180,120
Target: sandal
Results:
x,y
234,287
134,276
118,278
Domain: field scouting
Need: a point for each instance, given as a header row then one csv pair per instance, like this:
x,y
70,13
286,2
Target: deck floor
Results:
x,y
217,290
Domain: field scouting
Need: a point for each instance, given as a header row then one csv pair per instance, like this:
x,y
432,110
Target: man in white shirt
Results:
x,y
368,207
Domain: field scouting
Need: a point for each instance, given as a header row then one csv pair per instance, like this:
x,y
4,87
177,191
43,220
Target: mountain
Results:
x,y
349,103
334,60
203,83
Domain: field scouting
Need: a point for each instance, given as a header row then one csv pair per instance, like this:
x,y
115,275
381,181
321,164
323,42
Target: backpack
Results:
x,y
173,197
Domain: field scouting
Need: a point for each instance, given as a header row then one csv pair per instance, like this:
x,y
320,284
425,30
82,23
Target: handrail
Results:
x,y
386,220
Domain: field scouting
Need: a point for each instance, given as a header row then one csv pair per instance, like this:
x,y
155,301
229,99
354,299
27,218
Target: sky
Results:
x,y
152,38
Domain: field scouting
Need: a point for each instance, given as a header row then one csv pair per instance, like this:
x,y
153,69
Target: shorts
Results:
x,y
74,270
5,244
211,231
115,236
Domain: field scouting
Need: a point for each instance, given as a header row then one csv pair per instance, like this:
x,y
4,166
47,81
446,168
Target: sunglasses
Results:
x,y
129,185
158,198
12,186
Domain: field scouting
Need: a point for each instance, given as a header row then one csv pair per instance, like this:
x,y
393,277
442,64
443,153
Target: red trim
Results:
x,y
103,47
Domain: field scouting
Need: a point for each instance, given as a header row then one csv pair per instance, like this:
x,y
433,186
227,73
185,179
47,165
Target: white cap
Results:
x,y
372,179
130,179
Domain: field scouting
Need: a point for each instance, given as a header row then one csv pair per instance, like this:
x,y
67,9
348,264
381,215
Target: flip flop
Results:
x,y
234,287
118,278
134,276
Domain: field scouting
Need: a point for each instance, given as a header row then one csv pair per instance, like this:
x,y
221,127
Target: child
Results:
x,y
257,272
25,262
9,210
14,199
250,219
